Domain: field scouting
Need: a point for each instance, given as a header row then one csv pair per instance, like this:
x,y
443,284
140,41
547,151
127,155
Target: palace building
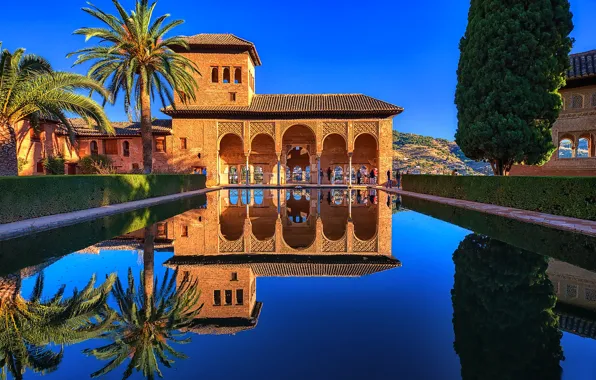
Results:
x,y
574,133
235,134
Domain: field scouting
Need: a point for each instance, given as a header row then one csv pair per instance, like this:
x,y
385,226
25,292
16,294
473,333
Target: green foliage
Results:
x,y
513,60
31,197
31,328
30,89
89,164
144,328
568,196
54,165
401,139
503,318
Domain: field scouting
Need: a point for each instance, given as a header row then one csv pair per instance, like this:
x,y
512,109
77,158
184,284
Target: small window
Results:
x,y
214,75
110,147
252,81
135,166
184,232
226,75
217,297
94,150
162,230
239,297
234,276
34,135
590,295
126,149
232,96
228,297
183,143
571,291
160,144
237,75
39,167
577,101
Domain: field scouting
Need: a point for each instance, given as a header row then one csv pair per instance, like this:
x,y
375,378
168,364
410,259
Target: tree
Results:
x,y
135,58
514,55
31,90
148,317
31,327
503,312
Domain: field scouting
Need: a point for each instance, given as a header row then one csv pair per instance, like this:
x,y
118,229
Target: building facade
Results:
x,y
239,136
574,133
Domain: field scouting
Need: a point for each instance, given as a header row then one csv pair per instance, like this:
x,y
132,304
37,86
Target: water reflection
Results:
x,y
503,312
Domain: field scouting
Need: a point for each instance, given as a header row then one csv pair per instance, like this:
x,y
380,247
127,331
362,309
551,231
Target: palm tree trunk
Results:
x,y
146,129
148,265
8,151
9,288
501,167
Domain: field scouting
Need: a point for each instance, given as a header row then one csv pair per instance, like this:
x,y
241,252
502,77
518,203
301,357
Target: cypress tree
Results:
x,y
514,56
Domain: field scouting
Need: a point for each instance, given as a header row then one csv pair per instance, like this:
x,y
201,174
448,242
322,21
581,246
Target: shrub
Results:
x,y
31,197
90,164
568,196
21,162
54,165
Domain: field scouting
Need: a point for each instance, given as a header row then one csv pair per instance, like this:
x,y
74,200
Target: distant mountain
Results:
x,y
429,155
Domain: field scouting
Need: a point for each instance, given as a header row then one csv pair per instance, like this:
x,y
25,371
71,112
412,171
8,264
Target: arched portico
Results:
x,y
298,143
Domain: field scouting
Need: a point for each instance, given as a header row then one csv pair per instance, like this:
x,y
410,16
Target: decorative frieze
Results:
x,y
262,128
339,128
224,128
369,127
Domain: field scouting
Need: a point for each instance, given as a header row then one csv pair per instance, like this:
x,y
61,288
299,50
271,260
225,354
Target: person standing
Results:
x,y
359,177
329,174
372,176
389,182
321,175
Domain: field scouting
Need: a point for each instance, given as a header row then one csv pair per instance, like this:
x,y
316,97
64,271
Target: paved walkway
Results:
x,y
44,223
587,227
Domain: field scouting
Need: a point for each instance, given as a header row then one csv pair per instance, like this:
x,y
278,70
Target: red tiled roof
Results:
x,y
582,65
122,128
297,104
224,40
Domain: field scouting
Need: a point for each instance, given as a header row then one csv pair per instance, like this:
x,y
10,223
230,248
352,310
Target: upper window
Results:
x,y
184,232
217,297
182,143
160,144
226,75
237,75
228,297
234,276
93,148
33,134
39,166
232,96
239,297
252,81
214,74
594,100
577,101
126,149
110,147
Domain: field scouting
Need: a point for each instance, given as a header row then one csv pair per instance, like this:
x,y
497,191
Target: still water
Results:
x,y
297,284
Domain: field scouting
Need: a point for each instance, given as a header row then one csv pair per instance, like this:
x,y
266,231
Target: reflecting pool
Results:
x,y
295,284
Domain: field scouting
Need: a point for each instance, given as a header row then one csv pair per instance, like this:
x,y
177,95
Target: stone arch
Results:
x,y
365,219
301,126
566,146
577,101
337,134
231,154
366,152
298,146
584,145
222,136
334,154
262,155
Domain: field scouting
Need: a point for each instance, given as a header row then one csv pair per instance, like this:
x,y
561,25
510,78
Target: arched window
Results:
x,y
338,197
565,148
93,148
226,75
258,175
297,194
233,175
259,197
214,75
244,174
583,147
126,149
288,174
338,174
577,101
297,174
245,197
307,173
237,75
233,197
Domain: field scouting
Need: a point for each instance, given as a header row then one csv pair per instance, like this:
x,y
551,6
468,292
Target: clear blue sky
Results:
x,y
403,52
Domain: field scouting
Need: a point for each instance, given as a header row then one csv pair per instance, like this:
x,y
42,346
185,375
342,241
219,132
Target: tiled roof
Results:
x,y
289,265
582,65
225,40
122,128
298,104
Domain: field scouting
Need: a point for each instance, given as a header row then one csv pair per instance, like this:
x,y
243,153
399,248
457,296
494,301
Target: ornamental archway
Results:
x,y
365,157
334,157
262,159
298,143
299,228
231,158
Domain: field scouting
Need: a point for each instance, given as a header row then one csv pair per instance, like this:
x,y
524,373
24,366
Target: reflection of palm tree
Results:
x,y
503,318
29,326
148,317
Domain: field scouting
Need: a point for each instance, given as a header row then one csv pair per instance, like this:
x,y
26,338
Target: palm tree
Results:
x,y
31,90
148,317
134,57
30,326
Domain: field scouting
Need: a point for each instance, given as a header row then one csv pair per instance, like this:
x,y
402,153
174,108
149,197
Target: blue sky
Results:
x,y
403,52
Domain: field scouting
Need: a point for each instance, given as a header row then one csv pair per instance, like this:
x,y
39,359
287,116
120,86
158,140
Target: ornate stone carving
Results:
x,y
334,245
336,127
226,246
230,127
260,127
365,127
365,246
259,246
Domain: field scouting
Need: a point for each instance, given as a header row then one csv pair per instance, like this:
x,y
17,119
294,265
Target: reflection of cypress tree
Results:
x,y
503,318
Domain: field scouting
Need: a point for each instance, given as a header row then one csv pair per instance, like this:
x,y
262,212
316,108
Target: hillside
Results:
x,y
429,155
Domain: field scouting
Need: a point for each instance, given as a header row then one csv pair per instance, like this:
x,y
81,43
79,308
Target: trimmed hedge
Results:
x,y
31,197
568,196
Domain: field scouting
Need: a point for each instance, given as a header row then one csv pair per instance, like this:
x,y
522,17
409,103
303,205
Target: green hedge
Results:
x,y
567,196
30,197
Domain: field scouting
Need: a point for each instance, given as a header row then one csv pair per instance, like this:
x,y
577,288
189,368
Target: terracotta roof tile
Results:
x,y
582,65
224,40
123,128
297,104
